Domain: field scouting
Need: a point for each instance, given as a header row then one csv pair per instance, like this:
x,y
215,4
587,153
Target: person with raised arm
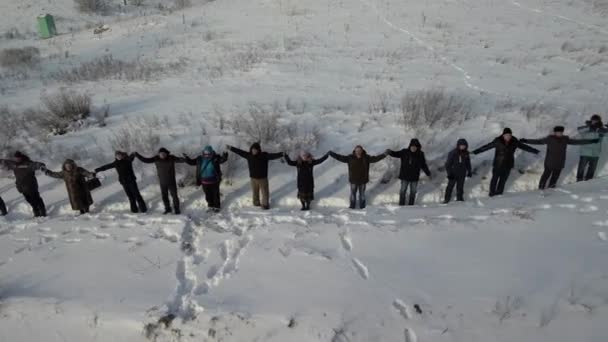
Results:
x,y
257,162
504,158
25,180
305,164
123,164
358,172
209,175
75,178
413,162
165,170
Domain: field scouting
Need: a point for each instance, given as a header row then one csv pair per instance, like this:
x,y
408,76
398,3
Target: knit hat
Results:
x,y
596,117
415,142
559,129
163,150
507,130
19,154
256,146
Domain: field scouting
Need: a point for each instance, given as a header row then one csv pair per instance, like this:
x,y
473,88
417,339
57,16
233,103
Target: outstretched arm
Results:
x,y
86,172
144,159
320,160
289,161
189,160
223,158
484,148
394,154
542,141
274,156
527,148
9,164
239,152
53,174
375,159
582,141
106,167
339,157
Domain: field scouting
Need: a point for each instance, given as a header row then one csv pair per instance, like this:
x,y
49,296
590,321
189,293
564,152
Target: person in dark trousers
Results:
x,y
209,175
126,177
590,153
458,167
358,172
25,180
412,162
75,179
3,210
555,159
165,169
504,159
306,182
257,161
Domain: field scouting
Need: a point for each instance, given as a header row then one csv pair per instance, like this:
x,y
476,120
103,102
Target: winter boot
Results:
x,y
167,211
362,204
352,205
3,211
412,200
176,211
303,205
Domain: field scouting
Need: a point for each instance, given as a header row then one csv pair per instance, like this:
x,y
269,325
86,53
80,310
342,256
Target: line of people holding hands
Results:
x,y
79,181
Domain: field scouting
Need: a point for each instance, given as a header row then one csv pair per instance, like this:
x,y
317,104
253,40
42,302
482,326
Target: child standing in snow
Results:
x,y
412,162
358,172
458,167
555,159
306,183
209,175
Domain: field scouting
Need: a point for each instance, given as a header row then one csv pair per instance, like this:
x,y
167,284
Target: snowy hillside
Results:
x,y
319,76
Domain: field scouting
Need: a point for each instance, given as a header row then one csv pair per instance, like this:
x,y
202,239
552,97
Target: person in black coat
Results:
x,y
504,158
209,175
458,167
126,177
306,182
3,210
358,172
412,162
555,159
165,169
257,160
25,180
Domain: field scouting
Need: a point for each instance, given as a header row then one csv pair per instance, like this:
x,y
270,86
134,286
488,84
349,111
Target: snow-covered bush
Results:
x,y
137,135
260,124
181,4
9,130
28,56
64,110
435,108
91,6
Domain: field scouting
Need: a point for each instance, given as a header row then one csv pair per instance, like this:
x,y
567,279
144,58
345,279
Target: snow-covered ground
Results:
x,y
517,268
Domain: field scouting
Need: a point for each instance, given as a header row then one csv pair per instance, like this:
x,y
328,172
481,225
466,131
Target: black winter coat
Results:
x,y
358,168
504,155
555,158
165,168
124,168
25,174
458,164
411,164
258,164
217,160
306,180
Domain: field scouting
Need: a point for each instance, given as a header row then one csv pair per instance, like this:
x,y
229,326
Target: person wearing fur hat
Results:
x,y
165,169
123,163
555,158
75,178
25,180
504,158
590,153
458,168
358,172
306,182
209,175
257,161
412,162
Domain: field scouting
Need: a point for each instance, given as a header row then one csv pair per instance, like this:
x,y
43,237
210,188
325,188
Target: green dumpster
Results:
x,y
46,26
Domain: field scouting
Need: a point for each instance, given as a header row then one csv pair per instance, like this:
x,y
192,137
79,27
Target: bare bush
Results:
x,y
380,103
13,33
137,3
92,6
260,124
28,56
299,139
11,125
106,67
138,135
65,110
181,4
435,108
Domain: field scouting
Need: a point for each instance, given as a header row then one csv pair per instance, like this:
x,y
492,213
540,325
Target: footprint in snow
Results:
x,y
347,243
602,236
567,206
417,221
500,211
127,225
44,238
604,197
600,223
361,268
21,249
544,206
101,236
410,335
575,197
479,218
402,308
84,230
75,240
44,229
588,209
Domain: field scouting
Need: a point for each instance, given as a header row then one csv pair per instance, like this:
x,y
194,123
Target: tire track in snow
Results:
x,y
559,17
466,78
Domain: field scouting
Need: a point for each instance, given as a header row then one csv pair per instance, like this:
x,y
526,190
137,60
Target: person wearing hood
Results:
x,y
458,168
412,162
555,159
257,161
504,158
75,178
209,175
306,182
25,180
590,153
165,170
123,163
3,210
358,172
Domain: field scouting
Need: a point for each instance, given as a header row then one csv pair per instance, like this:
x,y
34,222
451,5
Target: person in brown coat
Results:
x,y
76,184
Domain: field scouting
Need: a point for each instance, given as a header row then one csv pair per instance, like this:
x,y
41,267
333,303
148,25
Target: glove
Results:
x,y
470,174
